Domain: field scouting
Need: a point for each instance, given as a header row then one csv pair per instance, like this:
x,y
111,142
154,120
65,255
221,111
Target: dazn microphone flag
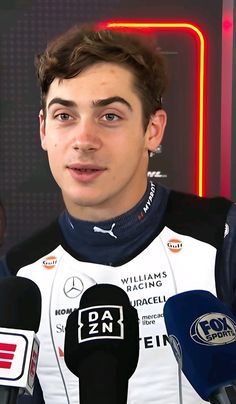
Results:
x,y
202,333
20,312
102,344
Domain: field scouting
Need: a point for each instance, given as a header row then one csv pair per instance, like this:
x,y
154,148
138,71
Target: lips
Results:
x,y
85,173
85,167
86,170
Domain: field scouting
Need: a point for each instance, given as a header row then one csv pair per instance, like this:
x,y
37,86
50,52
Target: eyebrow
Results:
x,y
97,103
107,101
62,101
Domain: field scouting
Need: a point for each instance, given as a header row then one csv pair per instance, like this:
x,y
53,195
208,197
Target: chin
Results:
x,y
85,200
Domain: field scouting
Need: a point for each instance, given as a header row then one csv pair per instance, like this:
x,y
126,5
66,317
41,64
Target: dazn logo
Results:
x,y
101,322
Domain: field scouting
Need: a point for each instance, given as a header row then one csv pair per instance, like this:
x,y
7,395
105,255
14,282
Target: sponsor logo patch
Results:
x,y
175,245
50,262
73,287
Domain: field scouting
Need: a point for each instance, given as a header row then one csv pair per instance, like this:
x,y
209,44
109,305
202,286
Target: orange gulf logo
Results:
x,y
175,245
50,262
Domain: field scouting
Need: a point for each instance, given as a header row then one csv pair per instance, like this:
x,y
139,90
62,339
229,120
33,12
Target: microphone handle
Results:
x,y
100,380
8,395
220,398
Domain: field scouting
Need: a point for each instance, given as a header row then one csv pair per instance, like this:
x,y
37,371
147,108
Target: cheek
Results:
x,y
52,144
55,164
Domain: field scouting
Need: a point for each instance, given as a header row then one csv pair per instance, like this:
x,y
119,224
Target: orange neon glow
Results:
x,y
200,180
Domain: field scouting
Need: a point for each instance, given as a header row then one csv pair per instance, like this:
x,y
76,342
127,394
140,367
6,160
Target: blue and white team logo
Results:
x,y
213,329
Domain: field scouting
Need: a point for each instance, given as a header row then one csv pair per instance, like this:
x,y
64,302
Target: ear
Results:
x,y
42,125
155,130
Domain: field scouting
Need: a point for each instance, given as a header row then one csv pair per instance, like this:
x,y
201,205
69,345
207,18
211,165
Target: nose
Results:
x,y
86,137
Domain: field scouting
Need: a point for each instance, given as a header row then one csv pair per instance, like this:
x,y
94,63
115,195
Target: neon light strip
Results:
x,y
226,98
199,35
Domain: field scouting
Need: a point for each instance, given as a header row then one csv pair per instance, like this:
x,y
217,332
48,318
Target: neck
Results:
x,y
105,210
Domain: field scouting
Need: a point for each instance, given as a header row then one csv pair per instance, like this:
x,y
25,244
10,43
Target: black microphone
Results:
x,y
102,344
20,312
202,333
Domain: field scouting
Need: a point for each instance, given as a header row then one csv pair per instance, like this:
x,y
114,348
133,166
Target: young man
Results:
x,y
101,117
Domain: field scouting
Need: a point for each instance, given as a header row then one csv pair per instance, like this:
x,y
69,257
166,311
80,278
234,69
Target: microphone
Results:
x,y
102,344
20,312
202,334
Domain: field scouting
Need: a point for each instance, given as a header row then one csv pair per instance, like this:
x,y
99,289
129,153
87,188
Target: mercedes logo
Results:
x,y
73,287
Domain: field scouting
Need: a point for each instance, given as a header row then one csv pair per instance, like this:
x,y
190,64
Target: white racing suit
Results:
x,y
189,252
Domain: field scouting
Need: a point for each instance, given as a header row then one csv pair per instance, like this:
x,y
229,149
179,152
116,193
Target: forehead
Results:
x,y
100,80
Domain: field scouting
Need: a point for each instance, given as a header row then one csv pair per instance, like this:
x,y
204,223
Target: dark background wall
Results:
x,y
30,195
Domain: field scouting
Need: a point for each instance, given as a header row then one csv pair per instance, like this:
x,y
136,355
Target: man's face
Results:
x,y
97,149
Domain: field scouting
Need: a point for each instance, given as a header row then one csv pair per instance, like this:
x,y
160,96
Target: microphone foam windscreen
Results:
x,y
105,322
20,304
202,333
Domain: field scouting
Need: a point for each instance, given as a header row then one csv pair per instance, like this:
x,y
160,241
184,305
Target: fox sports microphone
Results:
x,y
20,312
102,344
202,333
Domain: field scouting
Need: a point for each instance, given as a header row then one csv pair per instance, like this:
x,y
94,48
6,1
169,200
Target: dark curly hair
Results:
x,y
80,47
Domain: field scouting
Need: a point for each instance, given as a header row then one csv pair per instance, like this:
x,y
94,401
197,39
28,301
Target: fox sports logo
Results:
x,y
213,329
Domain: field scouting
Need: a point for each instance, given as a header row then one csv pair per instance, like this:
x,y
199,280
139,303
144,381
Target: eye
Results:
x,y
111,117
63,116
